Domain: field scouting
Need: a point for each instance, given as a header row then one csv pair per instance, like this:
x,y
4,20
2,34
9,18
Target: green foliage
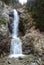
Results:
x,y
3,21
6,1
37,12
10,1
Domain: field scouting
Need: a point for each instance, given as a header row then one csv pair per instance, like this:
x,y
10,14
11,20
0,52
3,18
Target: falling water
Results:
x,y
23,2
16,44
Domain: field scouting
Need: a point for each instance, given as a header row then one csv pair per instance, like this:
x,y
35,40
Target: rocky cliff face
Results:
x,y
4,33
33,40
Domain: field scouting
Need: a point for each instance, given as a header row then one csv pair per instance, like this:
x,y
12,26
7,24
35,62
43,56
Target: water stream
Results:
x,y
16,44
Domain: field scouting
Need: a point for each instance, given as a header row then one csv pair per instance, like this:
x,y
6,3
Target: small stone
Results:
x,y
20,58
33,63
27,61
9,62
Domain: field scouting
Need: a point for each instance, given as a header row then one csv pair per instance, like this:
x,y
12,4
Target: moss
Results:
x,y
0,26
26,19
1,6
6,1
3,21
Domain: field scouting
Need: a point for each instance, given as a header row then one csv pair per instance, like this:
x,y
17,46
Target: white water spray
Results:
x,y
23,2
16,44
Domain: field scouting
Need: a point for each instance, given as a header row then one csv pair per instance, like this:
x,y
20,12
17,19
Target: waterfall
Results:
x,y
23,2
16,44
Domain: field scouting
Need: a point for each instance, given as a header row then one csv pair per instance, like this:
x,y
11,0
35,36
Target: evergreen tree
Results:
x,y
37,12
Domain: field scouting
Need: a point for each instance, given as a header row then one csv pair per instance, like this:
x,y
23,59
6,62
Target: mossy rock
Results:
x,y
1,4
3,21
6,1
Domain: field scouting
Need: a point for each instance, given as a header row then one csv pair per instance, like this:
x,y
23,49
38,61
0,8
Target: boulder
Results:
x,y
33,43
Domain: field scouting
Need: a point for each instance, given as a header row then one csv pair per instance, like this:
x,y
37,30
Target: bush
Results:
x,y
6,1
10,1
3,21
37,12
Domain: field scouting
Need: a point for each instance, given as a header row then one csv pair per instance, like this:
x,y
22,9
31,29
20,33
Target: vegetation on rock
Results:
x,y
3,21
37,11
6,1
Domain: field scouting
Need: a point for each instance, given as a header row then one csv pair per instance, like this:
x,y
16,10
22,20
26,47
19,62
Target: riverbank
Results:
x,y
27,60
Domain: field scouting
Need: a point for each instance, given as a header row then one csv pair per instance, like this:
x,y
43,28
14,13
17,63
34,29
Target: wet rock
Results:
x,y
10,24
9,62
11,14
34,63
42,58
20,58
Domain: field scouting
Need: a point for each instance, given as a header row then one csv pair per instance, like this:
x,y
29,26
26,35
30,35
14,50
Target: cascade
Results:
x,y
16,44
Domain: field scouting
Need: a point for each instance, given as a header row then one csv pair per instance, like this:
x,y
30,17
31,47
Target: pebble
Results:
x,y
9,62
20,58
33,63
